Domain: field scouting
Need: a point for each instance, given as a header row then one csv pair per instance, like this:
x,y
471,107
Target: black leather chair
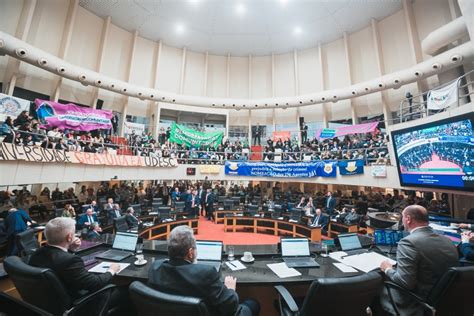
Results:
x,y
164,212
334,296
150,302
11,306
26,243
157,201
120,224
449,296
229,205
42,288
179,206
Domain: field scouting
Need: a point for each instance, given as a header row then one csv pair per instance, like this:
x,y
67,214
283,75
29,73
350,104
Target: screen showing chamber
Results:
x,y
437,155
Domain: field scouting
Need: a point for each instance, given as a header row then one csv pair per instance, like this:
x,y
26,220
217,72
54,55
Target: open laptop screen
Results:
x,y
294,247
209,250
349,242
125,241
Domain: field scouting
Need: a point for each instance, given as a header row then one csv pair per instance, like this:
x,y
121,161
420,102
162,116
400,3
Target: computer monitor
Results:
x,y
294,247
209,250
125,241
349,242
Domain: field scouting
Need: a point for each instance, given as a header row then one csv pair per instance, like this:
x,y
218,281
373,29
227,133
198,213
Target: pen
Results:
x,y
106,267
232,264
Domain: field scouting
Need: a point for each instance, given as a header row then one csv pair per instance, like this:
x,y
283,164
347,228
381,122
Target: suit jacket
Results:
x,y
70,270
92,235
467,250
210,201
131,220
179,277
111,213
16,222
322,222
422,258
84,218
330,204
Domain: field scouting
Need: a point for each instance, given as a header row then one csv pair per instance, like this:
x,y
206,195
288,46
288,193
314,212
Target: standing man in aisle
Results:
x,y
209,203
257,134
422,258
180,275
330,203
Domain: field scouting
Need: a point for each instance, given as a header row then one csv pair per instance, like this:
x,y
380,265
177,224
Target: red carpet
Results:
x,y
210,231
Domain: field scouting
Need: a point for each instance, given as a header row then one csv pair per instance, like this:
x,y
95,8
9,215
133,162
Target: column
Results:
x,y
349,71
227,82
323,85
206,70
183,71
250,128
129,73
100,59
22,31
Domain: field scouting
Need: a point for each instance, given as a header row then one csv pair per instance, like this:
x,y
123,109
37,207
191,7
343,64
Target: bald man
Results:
x,y
422,258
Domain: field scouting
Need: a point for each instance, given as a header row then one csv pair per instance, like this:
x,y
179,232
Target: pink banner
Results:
x,y
70,116
353,129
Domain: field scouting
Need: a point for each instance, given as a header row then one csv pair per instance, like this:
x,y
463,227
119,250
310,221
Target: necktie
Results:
x,y
90,219
316,222
117,213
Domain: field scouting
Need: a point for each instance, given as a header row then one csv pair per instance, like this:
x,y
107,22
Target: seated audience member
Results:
x,y
352,217
320,220
110,205
69,211
114,212
132,220
16,222
94,232
466,247
180,275
86,220
309,207
301,204
422,258
69,267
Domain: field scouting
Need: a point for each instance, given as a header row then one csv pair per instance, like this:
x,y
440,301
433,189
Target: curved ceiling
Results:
x,y
242,27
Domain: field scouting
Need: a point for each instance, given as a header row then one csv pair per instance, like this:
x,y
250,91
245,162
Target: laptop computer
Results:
x,y
123,247
350,244
295,253
209,253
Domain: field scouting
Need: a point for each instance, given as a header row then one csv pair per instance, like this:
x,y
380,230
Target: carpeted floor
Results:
x,y
210,231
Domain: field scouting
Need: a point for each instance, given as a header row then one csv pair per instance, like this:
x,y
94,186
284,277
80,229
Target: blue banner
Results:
x,y
268,169
326,169
350,167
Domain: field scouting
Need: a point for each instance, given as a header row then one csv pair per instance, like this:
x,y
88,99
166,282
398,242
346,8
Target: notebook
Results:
x,y
123,247
295,253
209,253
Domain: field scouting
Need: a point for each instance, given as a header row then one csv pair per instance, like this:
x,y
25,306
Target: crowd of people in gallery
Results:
x,y
25,130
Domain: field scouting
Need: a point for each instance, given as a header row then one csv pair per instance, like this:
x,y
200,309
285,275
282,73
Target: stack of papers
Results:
x,y
235,265
344,268
105,266
282,270
365,262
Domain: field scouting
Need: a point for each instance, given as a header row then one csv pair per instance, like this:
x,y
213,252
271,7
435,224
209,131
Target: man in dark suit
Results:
x,y
113,212
466,248
181,276
94,232
131,219
69,267
16,222
330,203
320,220
209,200
87,219
201,193
422,258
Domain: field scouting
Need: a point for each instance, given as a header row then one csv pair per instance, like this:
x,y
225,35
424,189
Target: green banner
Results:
x,y
183,135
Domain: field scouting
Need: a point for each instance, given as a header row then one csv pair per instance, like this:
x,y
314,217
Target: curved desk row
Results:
x,y
162,231
275,226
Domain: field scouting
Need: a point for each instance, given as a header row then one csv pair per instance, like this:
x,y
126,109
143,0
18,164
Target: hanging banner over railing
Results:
x,y
70,116
442,98
348,130
12,106
137,127
282,170
183,135
351,167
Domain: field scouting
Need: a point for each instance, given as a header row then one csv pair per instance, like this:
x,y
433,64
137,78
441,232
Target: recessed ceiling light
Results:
x,y
297,30
194,2
240,8
180,28
283,2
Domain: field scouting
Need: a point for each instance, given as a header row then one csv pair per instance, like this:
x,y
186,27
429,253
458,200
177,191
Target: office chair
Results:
x,y
252,210
164,212
179,206
150,302
26,243
120,224
334,296
229,205
10,306
157,201
447,297
42,288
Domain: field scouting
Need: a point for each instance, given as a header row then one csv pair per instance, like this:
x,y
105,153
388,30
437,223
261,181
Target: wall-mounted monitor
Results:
x,y
437,155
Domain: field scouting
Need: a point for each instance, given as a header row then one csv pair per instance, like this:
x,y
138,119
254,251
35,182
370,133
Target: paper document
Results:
x,y
344,268
104,266
235,265
366,262
448,229
282,270
337,255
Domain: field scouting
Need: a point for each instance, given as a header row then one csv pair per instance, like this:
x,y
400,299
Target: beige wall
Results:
x,y
219,79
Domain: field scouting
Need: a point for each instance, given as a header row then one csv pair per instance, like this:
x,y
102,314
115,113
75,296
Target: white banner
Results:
x,y
379,171
137,127
12,106
443,98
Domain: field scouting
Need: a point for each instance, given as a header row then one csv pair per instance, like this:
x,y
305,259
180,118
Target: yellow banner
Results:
x,y
210,168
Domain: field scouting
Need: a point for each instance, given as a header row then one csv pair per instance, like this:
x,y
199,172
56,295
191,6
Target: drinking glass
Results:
x,y
324,250
230,253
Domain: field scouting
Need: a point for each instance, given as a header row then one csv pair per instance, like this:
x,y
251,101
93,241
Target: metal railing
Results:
x,y
416,106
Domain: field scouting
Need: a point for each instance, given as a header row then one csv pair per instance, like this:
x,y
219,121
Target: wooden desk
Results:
x,y
219,216
277,227
162,231
347,228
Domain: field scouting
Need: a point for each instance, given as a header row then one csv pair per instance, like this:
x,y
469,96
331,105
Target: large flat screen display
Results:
x,y
437,155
